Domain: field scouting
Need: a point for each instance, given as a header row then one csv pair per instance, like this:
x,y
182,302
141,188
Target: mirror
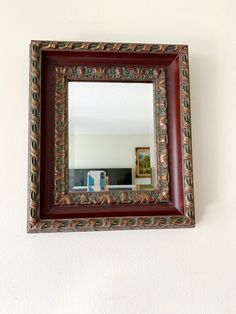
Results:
x,y
111,136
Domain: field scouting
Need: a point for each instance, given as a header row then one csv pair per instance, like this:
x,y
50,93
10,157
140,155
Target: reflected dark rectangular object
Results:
x,y
117,176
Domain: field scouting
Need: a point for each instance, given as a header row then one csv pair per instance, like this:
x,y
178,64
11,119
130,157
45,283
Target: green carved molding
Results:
x,y
62,195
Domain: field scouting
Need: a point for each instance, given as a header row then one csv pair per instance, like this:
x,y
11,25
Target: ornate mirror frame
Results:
x,y
51,206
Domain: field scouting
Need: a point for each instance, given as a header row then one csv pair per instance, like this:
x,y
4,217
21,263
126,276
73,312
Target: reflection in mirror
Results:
x,y
111,136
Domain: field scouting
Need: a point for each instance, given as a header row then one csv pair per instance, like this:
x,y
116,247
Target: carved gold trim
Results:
x,y
34,136
186,135
62,195
161,135
61,135
112,223
110,47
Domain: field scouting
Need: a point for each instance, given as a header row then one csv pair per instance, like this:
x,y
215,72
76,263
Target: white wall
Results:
x,y
164,271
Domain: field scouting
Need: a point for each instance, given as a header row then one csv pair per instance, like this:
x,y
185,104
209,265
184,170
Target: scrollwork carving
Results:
x,y
34,142
157,75
186,135
112,223
116,47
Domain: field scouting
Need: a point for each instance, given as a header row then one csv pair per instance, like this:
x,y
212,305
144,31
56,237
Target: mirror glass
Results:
x,y
111,136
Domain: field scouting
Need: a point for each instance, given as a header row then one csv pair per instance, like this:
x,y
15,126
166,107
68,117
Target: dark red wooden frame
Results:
x,y
43,214
51,59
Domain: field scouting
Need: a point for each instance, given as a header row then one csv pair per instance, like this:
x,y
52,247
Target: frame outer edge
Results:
x,y
108,46
29,145
186,131
34,137
35,225
111,223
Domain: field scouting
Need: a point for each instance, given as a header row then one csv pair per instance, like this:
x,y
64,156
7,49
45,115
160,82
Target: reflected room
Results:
x,y
111,136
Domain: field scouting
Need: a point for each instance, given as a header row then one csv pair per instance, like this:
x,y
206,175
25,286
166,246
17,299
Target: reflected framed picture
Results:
x,y
143,165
